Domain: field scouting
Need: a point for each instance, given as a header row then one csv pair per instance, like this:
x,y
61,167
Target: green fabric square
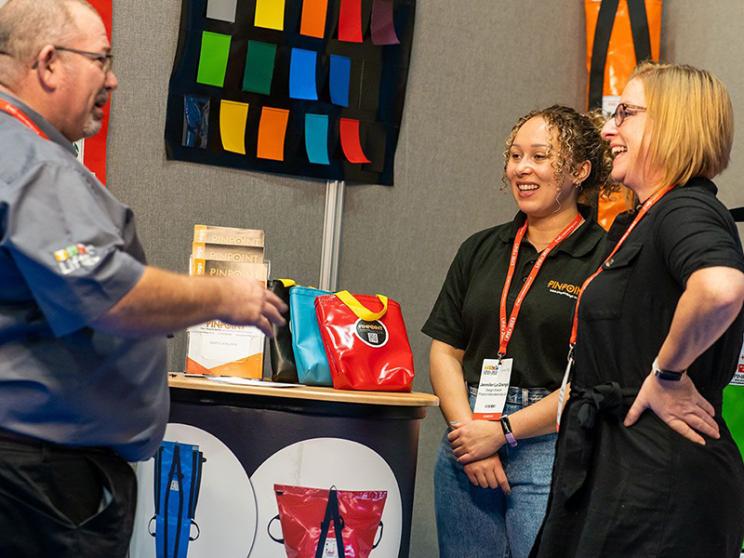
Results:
x,y
215,51
259,67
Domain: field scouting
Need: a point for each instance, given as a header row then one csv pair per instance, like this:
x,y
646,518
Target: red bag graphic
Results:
x,y
366,342
321,523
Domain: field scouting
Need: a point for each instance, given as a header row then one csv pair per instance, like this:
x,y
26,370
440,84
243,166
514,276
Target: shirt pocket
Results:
x,y
606,293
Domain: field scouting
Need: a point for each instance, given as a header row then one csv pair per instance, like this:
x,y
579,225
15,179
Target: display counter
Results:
x,y
259,437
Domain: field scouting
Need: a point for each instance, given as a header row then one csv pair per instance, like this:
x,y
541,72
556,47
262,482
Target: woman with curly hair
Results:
x,y
502,322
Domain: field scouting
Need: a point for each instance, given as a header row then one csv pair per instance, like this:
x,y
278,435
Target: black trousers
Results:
x,y
64,502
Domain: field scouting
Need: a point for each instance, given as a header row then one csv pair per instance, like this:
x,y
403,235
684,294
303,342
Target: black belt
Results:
x,y
586,406
13,438
7,437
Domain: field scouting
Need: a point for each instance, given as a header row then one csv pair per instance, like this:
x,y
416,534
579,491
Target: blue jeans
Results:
x,y
474,522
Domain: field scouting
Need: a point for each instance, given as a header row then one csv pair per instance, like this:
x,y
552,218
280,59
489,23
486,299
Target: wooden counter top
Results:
x,y
414,399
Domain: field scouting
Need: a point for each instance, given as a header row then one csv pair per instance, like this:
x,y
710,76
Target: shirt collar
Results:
x,y
580,243
52,133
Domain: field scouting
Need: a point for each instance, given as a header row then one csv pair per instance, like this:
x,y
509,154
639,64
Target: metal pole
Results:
x,y
331,247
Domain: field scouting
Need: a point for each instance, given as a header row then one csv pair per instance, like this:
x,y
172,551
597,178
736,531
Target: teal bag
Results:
x,y
309,352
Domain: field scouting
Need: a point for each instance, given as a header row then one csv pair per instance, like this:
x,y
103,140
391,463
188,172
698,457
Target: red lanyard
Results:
x,y
16,113
507,329
647,205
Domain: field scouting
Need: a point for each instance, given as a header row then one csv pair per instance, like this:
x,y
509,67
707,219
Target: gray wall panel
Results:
x,y
708,35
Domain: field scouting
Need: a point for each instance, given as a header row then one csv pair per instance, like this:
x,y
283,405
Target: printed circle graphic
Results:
x,y
322,463
374,334
226,509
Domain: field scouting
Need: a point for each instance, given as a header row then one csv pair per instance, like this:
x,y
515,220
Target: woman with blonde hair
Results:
x,y
644,465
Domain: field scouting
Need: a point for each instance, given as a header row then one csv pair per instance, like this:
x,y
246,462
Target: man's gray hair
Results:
x,y
26,26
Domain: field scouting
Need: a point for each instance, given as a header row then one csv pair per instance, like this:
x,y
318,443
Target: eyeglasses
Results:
x,y
624,110
105,59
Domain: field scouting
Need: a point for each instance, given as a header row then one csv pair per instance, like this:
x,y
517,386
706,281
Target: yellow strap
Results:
x,y
360,310
287,282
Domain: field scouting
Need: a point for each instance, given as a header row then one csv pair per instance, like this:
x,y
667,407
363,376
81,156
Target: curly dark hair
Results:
x,y
579,140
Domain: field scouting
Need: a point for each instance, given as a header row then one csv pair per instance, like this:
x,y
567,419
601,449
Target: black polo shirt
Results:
x,y
466,313
627,310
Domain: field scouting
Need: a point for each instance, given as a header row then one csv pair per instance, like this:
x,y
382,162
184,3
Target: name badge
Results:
x,y
738,379
492,389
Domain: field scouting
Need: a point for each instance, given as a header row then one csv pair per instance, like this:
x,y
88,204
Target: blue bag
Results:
x,y
178,470
309,352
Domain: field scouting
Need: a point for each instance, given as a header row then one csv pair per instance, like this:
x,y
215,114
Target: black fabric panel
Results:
x,y
377,91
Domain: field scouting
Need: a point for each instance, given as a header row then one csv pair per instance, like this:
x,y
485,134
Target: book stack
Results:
x,y
215,347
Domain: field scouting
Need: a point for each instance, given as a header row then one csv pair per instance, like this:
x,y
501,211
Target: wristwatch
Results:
x,y
671,375
508,434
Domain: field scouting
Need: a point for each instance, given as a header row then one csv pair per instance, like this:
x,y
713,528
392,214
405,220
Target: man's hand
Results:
x,y
476,440
247,302
488,473
679,404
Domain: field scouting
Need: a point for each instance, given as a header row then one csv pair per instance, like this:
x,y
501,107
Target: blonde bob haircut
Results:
x,y
691,121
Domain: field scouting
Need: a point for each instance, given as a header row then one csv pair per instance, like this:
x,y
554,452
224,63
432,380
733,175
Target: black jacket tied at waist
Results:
x,y
579,430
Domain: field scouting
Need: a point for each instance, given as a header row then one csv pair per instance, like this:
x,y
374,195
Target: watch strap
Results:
x,y
663,374
508,434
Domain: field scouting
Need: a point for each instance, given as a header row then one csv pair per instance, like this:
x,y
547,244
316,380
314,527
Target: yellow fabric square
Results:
x,y
233,117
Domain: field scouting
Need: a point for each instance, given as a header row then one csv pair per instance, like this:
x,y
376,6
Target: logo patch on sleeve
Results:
x,y
76,256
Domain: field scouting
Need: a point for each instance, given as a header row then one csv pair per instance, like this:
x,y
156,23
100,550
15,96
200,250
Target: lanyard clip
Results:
x,y
501,357
570,358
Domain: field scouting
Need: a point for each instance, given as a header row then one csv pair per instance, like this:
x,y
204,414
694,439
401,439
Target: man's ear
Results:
x,y
47,67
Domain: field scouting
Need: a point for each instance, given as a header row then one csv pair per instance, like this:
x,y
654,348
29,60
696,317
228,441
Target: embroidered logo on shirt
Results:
x,y
75,256
566,289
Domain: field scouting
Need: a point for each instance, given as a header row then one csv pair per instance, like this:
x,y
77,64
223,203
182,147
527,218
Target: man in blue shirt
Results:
x,y
83,318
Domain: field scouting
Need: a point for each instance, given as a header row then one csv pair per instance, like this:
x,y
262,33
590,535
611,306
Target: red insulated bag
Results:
x,y
321,523
366,342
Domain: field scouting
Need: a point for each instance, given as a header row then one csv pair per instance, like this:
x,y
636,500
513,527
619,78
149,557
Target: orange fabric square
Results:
x,y
314,18
271,133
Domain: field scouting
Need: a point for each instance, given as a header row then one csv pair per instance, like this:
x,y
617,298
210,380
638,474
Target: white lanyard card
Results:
x,y
493,388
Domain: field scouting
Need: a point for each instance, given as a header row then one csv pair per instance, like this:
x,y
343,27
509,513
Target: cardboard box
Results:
x,y
227,253
217,268
228,235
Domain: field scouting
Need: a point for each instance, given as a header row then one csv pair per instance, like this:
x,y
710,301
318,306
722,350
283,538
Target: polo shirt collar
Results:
x,y
580,243
51,132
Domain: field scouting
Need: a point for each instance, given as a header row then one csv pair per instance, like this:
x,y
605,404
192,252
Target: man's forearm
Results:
x,y
163,302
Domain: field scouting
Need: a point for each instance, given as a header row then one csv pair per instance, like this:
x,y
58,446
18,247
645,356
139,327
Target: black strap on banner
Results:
x,y
602,33
332,514
639,28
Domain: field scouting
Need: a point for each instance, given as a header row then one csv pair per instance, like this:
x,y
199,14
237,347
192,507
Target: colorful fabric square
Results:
x,y
383,28
195,121
313,21
316,138
350,21
302,75
223,10
350,141
233,116
340,76
269,14
271,132
259,67
215,51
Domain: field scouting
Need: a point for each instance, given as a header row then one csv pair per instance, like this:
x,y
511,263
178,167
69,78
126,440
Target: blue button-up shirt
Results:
x,y
69,252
